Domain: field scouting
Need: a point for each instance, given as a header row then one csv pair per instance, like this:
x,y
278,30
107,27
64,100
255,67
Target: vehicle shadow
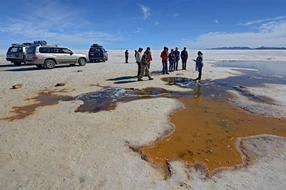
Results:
x,y
34,68
12,65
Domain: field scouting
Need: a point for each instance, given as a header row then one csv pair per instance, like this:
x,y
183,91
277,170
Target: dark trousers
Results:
x,y
139,69
200,73
165,67
184,64
176,64
126,59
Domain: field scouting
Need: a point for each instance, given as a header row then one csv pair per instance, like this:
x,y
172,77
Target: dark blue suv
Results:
x,y
97,53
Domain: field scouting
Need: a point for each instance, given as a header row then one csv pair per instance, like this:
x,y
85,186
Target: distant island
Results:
x,y
248,48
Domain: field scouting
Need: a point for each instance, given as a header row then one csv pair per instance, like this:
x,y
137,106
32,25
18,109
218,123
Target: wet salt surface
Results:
x,y
205,131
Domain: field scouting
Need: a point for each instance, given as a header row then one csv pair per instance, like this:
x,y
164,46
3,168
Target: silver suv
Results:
x,y
17,53
48,56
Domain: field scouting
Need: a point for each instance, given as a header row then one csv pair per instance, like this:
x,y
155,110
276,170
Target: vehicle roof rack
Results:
x,y
40,43
21,45
95,45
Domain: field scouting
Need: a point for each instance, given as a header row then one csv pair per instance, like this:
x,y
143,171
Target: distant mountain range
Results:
x,y
247,48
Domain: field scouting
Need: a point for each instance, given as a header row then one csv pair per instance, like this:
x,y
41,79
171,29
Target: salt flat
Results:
x,y
56,148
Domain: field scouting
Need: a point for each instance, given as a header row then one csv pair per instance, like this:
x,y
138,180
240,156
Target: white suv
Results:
x,y
48,56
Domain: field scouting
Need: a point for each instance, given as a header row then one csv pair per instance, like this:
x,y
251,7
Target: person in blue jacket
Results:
x,y
171,60
199,65
177,58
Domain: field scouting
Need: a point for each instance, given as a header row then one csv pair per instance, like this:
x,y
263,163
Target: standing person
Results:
x,y
144,65
171,60
184,57
199,65
149,58
138,60
126,56
177,58
135,51
164,56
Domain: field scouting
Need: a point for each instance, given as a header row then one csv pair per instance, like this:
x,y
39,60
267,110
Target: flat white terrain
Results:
x,y
56,148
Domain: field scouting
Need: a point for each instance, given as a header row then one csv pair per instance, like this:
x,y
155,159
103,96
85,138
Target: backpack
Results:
x,y
144,59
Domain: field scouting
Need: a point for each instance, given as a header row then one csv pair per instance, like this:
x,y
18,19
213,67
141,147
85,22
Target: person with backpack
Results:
x,y
171,60
177,58
149,58
144,65
184,57
164,56
138,55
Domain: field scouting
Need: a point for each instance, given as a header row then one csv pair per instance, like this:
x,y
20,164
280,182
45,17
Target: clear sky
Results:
x,y
129,24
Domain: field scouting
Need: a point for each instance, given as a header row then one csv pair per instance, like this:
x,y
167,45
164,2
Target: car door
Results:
x,y
59,55
69,56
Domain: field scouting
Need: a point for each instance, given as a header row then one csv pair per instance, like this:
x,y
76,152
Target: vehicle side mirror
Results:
x,y
71,53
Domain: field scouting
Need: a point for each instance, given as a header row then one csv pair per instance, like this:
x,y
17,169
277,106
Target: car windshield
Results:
x,y
95,50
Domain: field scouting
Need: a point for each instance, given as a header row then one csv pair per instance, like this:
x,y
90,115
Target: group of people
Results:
x,y
143,60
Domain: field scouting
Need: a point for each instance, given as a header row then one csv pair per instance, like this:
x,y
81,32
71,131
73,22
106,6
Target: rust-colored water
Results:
x,y
206,131
41,100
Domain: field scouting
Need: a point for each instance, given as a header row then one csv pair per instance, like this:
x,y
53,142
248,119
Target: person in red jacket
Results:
x,y
164,56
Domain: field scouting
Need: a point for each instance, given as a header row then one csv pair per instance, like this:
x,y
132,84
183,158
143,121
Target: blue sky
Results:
x,y
129,24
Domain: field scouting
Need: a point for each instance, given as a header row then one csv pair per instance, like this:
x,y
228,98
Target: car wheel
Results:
x,y
17,63
40,66
49,64
81,61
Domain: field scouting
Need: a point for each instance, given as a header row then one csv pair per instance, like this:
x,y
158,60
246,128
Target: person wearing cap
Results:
x,y
199,65
138,56
184,57
164,56
144,65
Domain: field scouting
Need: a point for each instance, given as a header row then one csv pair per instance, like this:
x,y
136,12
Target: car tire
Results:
x,y
49,64
17,63
40,66
81,61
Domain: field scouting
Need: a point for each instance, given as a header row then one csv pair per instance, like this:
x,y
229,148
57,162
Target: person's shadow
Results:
x,y
197,94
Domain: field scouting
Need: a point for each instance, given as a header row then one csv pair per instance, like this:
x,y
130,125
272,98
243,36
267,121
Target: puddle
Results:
x,y
207,129
41,100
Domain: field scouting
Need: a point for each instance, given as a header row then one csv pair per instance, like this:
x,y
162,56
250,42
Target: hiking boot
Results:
x,y
151,79
140,80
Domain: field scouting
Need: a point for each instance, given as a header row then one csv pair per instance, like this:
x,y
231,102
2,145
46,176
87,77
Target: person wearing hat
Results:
x,y
149,58
164,56
199,65
184,57
177,58
138,55
144,65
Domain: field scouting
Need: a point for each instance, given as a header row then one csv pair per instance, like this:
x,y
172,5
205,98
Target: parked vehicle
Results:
x,y
17,53
48,56
97,53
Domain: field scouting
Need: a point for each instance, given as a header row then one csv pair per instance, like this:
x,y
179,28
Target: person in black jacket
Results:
x,y
126,56
184,57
